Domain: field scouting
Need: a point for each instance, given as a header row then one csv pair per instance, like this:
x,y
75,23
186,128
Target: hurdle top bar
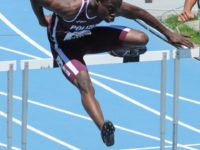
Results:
x,y
186,53
5,65
105,58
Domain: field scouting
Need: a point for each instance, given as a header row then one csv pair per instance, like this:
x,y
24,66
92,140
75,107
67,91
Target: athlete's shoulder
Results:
x,y
66,9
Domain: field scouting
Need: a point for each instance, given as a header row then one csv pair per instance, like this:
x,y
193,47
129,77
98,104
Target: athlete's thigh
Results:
x,y
135,37
70,65
106,38
76,72
115,37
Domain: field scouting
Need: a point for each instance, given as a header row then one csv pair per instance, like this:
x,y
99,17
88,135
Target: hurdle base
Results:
x,y
127,59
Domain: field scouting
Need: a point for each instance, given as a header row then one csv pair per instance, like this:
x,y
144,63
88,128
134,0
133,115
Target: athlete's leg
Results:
x,y
134,38
133,45
90,103
76,72
112,38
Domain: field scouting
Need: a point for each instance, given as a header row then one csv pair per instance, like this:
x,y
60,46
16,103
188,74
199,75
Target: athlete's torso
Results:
x,y
76,28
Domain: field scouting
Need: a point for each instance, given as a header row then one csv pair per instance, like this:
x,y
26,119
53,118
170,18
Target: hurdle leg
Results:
x,y
163,101
24,105
9,105
175,99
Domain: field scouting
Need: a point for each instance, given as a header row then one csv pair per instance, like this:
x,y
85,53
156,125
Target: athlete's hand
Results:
x,y
179,40
185,16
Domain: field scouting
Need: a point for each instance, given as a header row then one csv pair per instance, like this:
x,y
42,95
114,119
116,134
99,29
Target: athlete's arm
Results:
x,y
38,10
133,12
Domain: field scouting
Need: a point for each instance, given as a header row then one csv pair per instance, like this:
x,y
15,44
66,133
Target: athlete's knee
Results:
x,y
135,37
84,83
86,87
143,38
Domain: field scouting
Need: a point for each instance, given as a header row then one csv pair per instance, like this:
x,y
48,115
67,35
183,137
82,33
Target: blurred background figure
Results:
x,y
187,13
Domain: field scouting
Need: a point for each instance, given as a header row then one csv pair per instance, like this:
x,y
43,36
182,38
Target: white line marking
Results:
x,y
18,52
157,147
24,36
48,136
155,138
146,148
5,146
142,105
89,119
144,88
195,144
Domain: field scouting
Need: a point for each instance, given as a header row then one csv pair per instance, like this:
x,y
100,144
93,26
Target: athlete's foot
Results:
x,y
107,133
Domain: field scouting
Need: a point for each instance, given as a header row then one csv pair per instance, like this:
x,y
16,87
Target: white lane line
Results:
x,y
41,133
158,139
24,36
5,146
143,87
18,52
135,102
158,147
89,119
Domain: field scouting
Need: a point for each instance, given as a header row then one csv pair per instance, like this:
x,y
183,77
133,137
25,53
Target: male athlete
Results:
x,y
72,33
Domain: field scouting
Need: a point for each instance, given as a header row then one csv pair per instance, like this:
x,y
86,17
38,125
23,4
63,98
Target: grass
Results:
x,y
182,28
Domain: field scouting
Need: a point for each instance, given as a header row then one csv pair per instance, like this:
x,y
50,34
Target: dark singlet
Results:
x,y
69,39
62,30
80,26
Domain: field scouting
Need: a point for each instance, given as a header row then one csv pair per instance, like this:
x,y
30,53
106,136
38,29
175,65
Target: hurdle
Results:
x,y
105,58
24,106
9,67
163,85
177,57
